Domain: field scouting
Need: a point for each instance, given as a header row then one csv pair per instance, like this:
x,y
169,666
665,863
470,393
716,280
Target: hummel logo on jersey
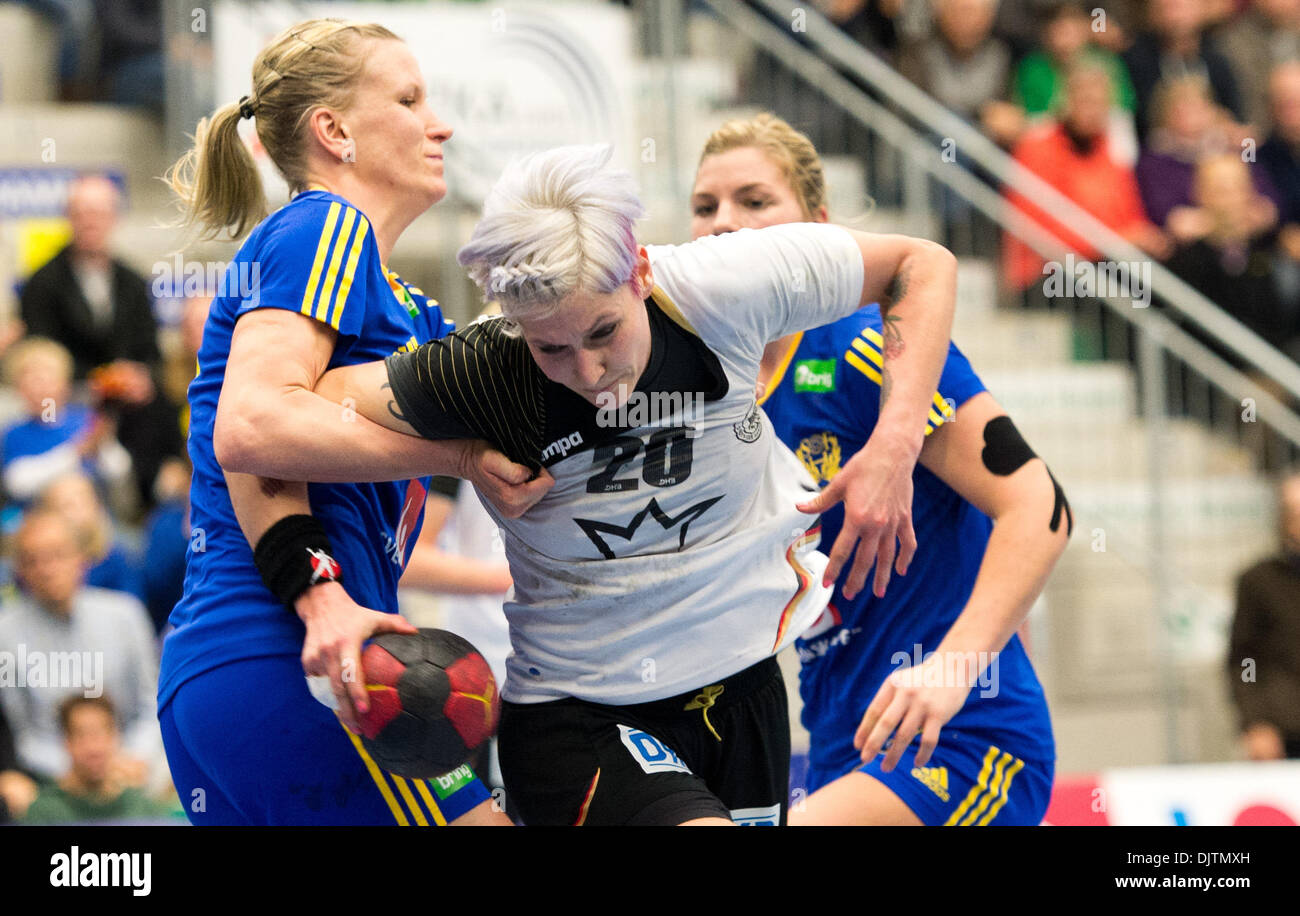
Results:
x,y
595,529
562,446
933,778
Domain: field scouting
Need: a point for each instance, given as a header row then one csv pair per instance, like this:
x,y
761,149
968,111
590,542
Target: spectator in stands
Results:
x,y
1264,649
965,67
75,22
1072,154
872,23
17,789
131,62
91,789
1280,154
111,564
57,436
1039,84
1232,262
1175,44
181,363
1264,36
70,639
1187,127
102,312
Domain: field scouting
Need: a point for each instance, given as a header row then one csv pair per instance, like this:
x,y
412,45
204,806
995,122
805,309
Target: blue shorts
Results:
x,y
248,745
967,782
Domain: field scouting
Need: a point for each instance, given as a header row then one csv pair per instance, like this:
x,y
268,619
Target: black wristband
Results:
x,y
294,555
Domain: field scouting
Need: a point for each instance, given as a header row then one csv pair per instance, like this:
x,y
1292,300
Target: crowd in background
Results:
x,y
1177,124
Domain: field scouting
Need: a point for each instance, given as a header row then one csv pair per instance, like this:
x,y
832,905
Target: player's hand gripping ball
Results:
x,y
433,702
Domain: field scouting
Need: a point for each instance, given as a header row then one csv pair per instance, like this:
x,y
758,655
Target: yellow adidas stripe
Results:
x,y
934,419
322,249
332,272
994,788
438,817
976,790
358,240
1002,799
378,776
411,803
857,363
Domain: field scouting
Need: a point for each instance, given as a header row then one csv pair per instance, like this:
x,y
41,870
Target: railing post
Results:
x,y
1151,369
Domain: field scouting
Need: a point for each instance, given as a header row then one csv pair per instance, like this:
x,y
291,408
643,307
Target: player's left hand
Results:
x,y
503,483
876,488
911,701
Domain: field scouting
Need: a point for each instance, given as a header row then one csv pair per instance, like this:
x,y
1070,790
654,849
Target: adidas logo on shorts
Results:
x,y
933,778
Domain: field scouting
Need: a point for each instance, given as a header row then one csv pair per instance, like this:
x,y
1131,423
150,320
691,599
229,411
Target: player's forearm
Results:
x,y
916,317
1021,553
444,573
296,434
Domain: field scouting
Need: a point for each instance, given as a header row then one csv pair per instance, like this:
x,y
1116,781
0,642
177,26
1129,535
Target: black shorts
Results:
x,y
720,751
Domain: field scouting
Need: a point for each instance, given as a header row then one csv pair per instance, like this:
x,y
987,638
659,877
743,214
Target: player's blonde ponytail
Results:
x,y
311,65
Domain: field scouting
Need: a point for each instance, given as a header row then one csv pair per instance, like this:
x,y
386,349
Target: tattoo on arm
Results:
x,y
392,404
896,290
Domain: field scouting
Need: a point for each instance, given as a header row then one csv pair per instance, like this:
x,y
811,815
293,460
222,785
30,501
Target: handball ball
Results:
x,y
433,702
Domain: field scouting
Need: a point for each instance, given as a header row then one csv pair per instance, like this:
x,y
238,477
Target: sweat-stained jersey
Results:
x,y
317,256
668,555
824,401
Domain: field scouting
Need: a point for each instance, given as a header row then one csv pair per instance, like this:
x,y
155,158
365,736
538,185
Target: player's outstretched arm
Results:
x,y
985,460
271,423
915,282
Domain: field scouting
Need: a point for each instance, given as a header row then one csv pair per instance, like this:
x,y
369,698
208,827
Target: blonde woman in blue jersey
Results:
x,y
921,704
675,555
287,579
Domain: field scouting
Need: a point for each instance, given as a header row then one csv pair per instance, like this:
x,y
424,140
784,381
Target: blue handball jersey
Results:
x,y
317,256
824,406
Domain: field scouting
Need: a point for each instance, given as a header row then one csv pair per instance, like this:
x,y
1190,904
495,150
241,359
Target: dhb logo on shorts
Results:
x,y
650,752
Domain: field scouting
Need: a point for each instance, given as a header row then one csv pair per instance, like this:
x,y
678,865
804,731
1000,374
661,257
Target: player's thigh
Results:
x,y
967,781
283,758
855,799
570,762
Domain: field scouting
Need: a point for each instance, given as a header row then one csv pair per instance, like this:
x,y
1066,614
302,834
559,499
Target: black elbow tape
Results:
x,y
1005,450
294,555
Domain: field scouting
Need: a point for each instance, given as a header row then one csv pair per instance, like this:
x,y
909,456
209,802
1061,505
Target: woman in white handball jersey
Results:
x,y
675,554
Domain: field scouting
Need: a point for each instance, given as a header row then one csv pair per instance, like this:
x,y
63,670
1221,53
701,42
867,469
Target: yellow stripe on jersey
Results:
x,y
340,245
782,367
669,308
358,241
863,344
438,817
322,249
378,776
411,803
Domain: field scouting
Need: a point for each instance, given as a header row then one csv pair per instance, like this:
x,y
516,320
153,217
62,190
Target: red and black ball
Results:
x,y
433,702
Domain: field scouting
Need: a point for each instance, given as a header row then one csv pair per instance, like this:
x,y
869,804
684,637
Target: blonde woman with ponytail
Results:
x,y
290,578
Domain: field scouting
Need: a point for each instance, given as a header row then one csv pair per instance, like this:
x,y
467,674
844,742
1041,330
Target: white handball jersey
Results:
x,y
669,554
